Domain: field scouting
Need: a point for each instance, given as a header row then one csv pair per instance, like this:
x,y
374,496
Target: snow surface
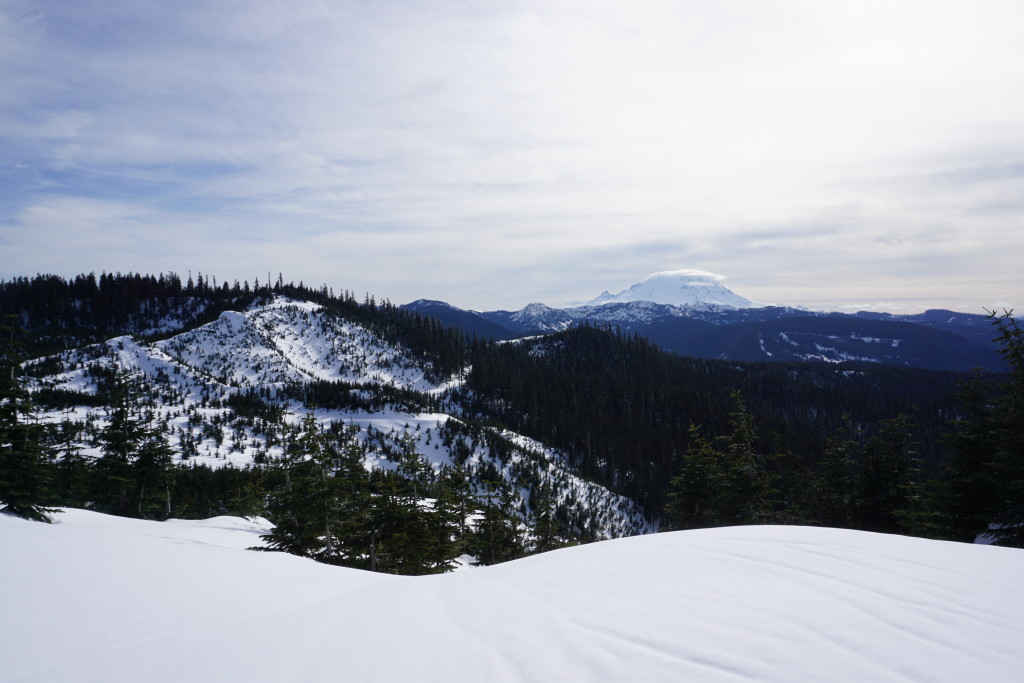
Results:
x,y
679,288
97,598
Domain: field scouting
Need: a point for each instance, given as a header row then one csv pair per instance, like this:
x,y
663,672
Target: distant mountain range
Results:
x,y
693,314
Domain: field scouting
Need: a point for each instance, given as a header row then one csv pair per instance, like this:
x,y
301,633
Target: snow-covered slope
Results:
x,y
679,288
191,377
533,318
94,598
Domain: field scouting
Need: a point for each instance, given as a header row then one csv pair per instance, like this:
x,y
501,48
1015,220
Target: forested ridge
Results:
x,y
56,313
694,442
624,408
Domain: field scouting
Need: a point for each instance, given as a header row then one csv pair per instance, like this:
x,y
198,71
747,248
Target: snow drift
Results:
x,y
96,598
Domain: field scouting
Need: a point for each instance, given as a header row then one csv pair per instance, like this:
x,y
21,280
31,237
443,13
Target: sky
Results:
x,y
839,156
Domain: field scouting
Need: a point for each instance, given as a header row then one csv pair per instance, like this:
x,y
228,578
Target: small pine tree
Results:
x,y
72,469
964,498
839,484
1007,523
24,470
693,500
134,475
891,478
548,532
496,536
721,484
447,520
304,507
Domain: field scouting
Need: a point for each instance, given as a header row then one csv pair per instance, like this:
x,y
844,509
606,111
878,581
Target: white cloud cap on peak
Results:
x,y
685,287
688,274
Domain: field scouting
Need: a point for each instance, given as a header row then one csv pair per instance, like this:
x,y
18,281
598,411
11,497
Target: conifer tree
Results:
x,y
839,484
721,484
548,532
402,537
24,470
748,486
72,470
496,536
447,520
152,476
891,477
964,499
695,499
133,477
1007,522
304,507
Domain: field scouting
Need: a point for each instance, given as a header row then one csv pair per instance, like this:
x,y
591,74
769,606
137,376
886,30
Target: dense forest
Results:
x,y
694,442
624,408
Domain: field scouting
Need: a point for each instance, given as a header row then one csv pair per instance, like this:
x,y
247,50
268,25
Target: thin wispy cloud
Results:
x,y
493,155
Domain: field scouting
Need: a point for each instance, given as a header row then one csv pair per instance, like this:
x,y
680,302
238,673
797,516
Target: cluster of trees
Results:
x,y
983,490
623,409
870,481
23,477
42,466
410,520
875,480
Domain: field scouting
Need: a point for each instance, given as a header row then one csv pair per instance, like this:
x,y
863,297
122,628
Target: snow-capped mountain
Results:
x,y
679,288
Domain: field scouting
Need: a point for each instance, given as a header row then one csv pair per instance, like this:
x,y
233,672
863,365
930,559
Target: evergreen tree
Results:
x,y
964,498
548,530
496,536
839,484
748,486
400,520
891,478
1007,522
153,476
695,496
133,477
304,508
72,470
24,470
447,520
723,484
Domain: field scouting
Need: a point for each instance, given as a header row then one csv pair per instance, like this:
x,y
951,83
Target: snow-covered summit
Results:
x,y
679,288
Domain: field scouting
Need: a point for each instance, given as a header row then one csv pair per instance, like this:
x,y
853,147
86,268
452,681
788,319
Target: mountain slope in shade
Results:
x,y
830,339
96,598
470,322
679,288
936,340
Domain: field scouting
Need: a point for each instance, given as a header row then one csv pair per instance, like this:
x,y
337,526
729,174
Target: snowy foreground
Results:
x,y
97,598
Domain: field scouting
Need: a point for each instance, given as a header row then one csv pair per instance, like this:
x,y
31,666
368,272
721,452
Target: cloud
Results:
x,y
498,154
